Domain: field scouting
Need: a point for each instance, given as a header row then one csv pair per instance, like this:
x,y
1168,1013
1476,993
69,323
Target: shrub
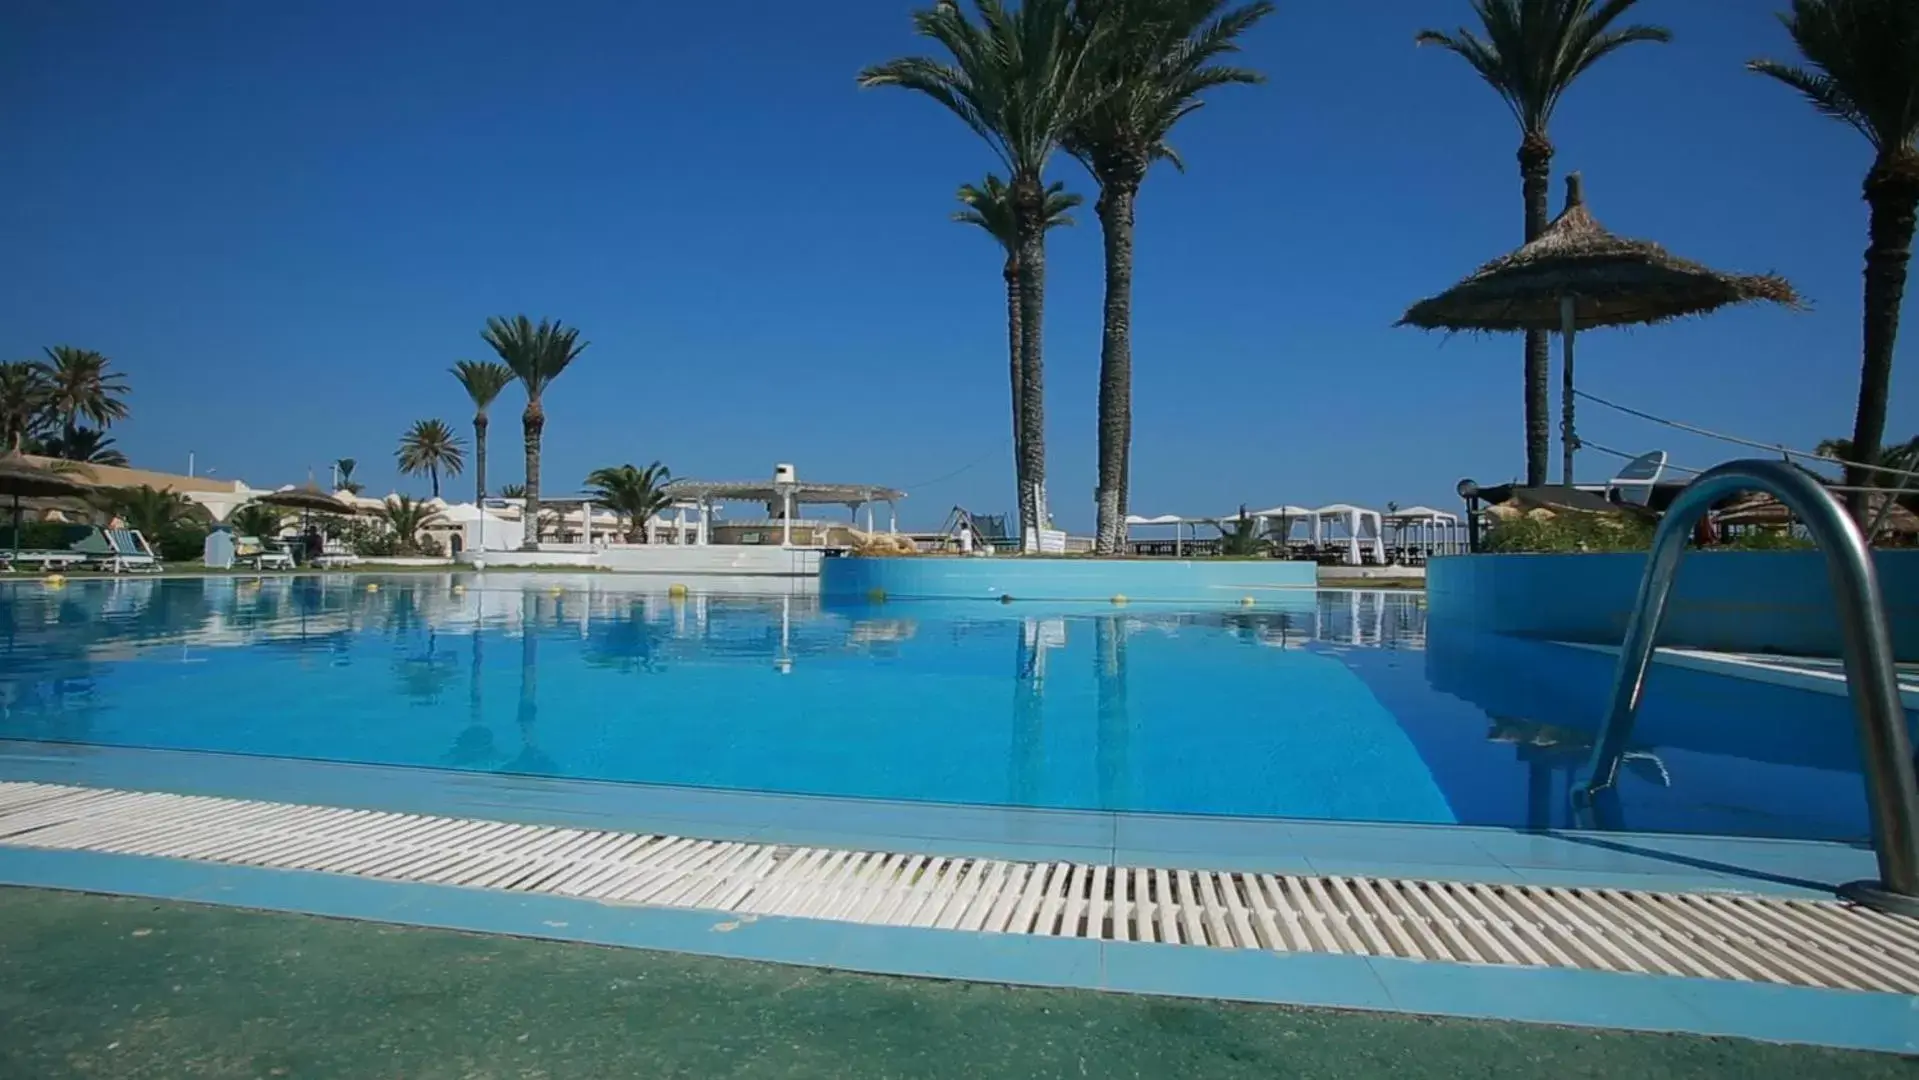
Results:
x,y
1569,532
180,543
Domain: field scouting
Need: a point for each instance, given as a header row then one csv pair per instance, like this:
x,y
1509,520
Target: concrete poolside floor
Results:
x,y
104,986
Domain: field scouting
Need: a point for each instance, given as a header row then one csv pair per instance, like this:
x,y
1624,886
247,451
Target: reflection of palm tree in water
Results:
x,y
1115,723
530,758
1029,686
474,745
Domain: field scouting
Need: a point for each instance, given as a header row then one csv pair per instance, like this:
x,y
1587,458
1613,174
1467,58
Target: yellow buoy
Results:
x,y
458,589
676,589
556,591
372,586
1119,600
1245,601
877,596
54,581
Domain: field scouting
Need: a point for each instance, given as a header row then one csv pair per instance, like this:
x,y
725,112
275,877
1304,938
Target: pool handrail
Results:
x,y
1871,677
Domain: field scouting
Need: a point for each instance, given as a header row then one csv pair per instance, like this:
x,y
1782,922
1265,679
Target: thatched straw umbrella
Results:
x,y
21,478
1761,509
307,498
1577,276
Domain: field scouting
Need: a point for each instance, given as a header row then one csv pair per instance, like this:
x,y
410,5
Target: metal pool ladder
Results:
x,y
1871,679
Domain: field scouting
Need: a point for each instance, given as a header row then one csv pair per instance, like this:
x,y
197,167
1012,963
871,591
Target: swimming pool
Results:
x,y
1331,705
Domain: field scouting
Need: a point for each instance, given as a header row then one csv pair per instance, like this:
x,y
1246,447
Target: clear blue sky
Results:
x,y
284,221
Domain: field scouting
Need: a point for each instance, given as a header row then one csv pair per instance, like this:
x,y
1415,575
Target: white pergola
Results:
x,y
781,497
1355,526
1428,527
1289,516
1180,526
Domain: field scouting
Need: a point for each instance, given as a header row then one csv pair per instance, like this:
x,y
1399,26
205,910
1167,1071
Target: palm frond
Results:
x,y
1862,60
535,353
483,380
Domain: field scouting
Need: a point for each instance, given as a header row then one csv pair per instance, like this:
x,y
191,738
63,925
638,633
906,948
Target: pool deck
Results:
x,y
1664,864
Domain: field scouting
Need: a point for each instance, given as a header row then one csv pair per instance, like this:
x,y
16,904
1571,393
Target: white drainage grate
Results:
x,y
1714,936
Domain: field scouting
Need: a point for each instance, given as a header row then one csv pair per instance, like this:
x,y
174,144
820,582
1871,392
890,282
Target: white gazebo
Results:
x,y
1431,530
1356,527
1179,524
1289,518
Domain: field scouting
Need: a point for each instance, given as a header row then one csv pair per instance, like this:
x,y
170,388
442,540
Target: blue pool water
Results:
x,y
1329,705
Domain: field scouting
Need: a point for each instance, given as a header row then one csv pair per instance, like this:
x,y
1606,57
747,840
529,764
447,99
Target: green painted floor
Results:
x,y
98,986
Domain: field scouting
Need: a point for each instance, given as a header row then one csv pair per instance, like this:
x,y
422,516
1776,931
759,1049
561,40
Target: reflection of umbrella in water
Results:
x,y
21,478
1577,276
1550,748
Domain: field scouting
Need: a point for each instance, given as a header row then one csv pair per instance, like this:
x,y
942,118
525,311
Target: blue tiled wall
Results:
x,y
1757,601
1224,581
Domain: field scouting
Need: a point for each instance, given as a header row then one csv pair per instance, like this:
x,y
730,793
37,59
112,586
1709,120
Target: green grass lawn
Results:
x,y
103,987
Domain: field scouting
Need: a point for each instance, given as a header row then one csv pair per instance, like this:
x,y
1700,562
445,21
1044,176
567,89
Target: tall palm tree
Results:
x,y
1018,78
1864,70
634,494
81,387
406,517
1156,59
24,396
431,447
1532,53
483,380
990,206
536,354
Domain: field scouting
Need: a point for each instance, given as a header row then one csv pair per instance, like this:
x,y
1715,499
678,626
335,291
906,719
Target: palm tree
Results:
x,y
1153,63
147,508
345,467
1864,57
81,387
406,517
89,446
1532,52
483,380
634,494
536,355
258,519
512,491
431,447
990,206
24,395
1019,80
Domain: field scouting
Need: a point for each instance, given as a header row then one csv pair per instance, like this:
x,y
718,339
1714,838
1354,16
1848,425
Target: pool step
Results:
x,y
1705,935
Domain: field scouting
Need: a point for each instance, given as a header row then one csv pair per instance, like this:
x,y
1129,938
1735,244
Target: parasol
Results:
x,y
21,478
1577,276
307,498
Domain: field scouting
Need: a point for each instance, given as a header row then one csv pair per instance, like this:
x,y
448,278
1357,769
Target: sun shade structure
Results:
x,y
780,495
1577,276
307,497
20,478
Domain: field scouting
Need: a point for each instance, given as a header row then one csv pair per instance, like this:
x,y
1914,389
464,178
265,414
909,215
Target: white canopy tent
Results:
x,y
1290,517
1429,529
1356,527
1180,526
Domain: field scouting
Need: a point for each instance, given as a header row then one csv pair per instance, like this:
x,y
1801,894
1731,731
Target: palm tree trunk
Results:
x,y
1115,358
1892,191
532,422
1018,373
1028,203
479,459
1535,171
433,474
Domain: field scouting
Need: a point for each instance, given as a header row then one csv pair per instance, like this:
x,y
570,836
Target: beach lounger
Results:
x,y
128,552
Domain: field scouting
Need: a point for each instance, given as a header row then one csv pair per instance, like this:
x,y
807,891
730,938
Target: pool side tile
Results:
x,y
1546,995
1848,1018
1244,975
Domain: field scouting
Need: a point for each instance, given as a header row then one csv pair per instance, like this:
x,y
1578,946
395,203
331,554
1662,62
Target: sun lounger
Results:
x,y
43,561
128,552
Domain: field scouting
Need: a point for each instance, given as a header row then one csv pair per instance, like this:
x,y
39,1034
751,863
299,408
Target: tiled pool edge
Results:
x,y
1463,853
1880,1022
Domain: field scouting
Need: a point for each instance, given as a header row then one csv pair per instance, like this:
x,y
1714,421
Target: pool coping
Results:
x,y
1836,1018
